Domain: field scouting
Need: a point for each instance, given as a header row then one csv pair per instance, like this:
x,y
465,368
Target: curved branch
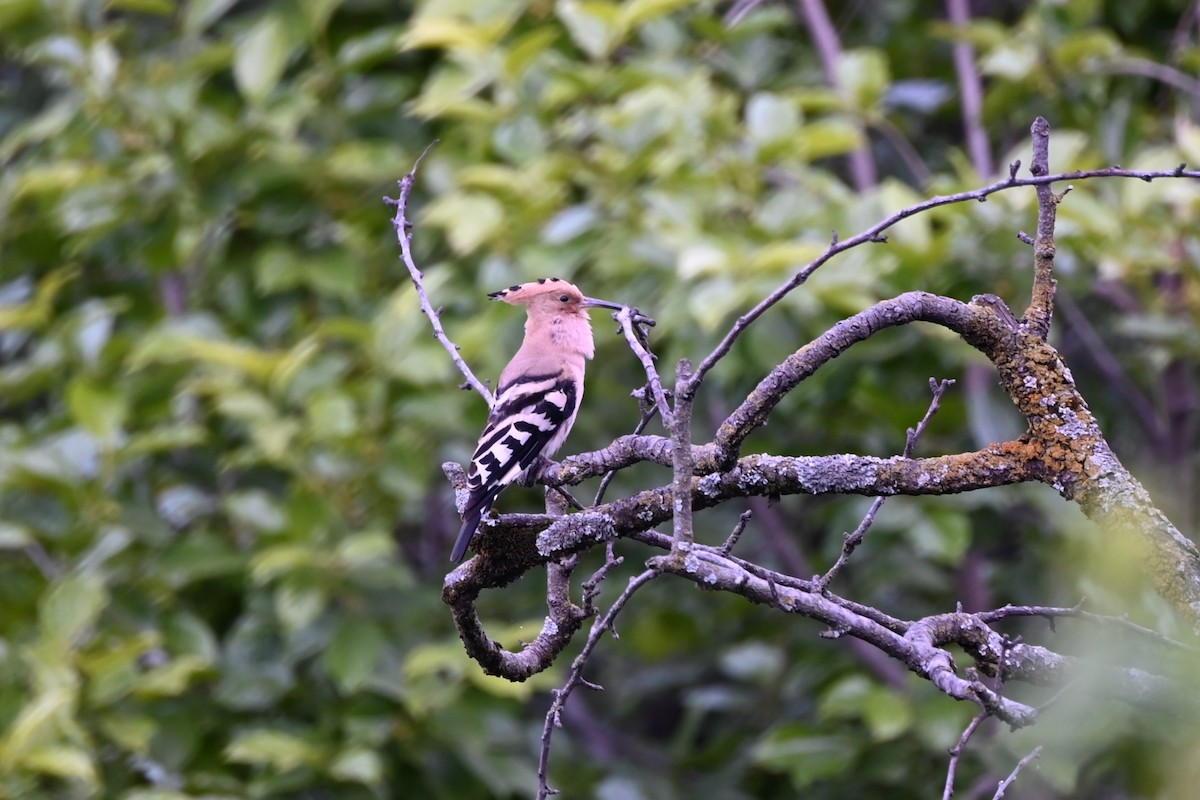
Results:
x,y
874,233
976,324
403,236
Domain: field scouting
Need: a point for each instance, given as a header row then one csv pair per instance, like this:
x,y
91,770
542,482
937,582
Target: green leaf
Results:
x,y
770,118
887,714
255,509
805,754
260,58
353,653
100,410
200,14
863,76
14,536
273,748
468,219
38,723
298,602
173,678
828,137
38,312
358,765
63,761
593,24
634,13
16,12
71,607
332,416
162,8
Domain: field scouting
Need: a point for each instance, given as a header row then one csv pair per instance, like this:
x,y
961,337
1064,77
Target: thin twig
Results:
x,y
872,234
739,11
1041,303
45,563
853,540
1077,612
957,751
631,321
1145,413
1145,68
612,473
970,89
829,50
732,540
1012,776
402,225
681,459
575,678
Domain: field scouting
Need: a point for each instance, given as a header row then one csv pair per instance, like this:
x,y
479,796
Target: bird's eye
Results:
x,y
564,298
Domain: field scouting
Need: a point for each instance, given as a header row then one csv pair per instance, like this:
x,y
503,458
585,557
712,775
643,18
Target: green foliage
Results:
x,y
221,413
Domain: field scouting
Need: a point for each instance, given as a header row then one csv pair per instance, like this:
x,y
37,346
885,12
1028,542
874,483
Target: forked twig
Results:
x,y
554,714
853,540
403,226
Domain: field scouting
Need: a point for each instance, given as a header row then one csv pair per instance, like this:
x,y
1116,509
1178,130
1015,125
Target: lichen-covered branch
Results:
x,y
1062,447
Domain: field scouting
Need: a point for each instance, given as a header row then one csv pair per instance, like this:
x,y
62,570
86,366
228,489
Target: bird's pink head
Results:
x,y
550,296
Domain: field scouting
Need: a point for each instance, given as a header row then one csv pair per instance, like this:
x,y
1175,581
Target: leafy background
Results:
x,y
222,523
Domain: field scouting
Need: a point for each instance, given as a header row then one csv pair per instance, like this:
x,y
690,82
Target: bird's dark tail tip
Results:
x,y
477,506
465,534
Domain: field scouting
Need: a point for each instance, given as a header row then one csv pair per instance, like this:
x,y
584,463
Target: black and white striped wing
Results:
x,y
531,415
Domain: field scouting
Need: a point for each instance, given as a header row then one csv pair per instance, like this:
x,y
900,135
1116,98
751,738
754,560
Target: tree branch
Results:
x,y
681,460
970,89
403,226
1041,306
874,233
851,541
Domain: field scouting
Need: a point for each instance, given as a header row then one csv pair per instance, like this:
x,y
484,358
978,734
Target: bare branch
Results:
x,y
681,459
852,540
1041,305
1007,782
829,49
1051,613
983,330
403,226
957,751
917,648
631,321
575,678
647,415
1144,412
736,534
872,234
739,11
970,87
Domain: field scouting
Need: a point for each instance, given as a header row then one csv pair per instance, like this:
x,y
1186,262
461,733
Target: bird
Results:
x,y
537,397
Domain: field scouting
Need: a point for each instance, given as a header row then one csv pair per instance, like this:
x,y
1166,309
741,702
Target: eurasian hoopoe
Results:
x,y
538,395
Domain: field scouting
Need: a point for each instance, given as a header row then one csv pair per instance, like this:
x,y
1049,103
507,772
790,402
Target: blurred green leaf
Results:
x,y
198,15
37,312
353,653
594,25
100,410
70,609
274,748
803,754
261,57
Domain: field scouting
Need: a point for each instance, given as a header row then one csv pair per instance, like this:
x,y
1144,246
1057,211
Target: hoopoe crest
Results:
x,y
538,395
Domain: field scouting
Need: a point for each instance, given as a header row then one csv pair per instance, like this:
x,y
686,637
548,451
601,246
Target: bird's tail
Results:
x,y
477,505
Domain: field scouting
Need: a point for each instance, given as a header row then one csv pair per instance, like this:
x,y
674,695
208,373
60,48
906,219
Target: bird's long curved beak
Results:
x,y
591,302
